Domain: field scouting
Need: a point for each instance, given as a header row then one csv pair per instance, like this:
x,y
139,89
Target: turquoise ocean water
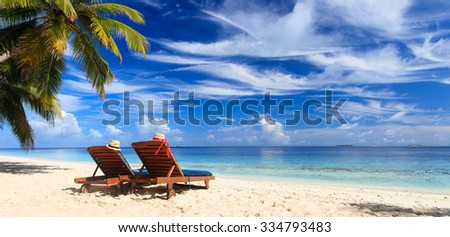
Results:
x,y
409,167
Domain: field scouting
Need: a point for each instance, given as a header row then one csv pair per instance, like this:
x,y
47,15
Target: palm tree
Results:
x,y
34,36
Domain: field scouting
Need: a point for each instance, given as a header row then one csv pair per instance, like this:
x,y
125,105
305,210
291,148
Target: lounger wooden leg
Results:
x,y
126,188
84,188
170,191
132,187
207,184
118,190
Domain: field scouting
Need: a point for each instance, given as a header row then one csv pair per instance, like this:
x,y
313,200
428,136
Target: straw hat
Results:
x,y
159,136
114,145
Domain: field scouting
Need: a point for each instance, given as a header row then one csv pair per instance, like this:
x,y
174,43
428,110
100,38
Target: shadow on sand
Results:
x,y
379,209
141,192
26,168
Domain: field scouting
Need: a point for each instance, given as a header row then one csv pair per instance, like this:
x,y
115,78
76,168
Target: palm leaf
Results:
x,y
135,41
49,77
14,16
54,34
9,36
13,112
117,9
20,3
26,88
89,24
37,106
29,51
105,37
95,66
67,8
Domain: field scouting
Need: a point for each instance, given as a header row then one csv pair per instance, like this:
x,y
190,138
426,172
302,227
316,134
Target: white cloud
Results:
x,y
72,103
209,90
384,16
147,129
233,139
375,109
56,136
384,61
376,135
379,66
391,113
275,132
95,133
175,59
355,91
438,52
245,80
264,33
263,133
116,87
223,19
153,3
156,99
68,125
113,131
348,126
356,134
344,72
421,118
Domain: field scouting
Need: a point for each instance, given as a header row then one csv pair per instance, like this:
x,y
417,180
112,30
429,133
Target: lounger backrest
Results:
x,y
110,162
159,164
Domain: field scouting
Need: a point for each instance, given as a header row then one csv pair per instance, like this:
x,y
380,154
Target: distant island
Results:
x,y
345,145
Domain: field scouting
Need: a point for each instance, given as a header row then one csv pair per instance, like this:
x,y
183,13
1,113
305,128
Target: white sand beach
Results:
x,y
33,187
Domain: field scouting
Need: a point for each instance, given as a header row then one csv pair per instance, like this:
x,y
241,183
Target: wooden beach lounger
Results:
x,y
113,165
163,168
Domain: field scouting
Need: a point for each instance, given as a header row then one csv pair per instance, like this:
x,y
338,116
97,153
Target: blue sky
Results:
x,y
390,59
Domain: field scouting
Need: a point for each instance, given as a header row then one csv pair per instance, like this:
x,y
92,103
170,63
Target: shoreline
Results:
x,y
35,187
260,178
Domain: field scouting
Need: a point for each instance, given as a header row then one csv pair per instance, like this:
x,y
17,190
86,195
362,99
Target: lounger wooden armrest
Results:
x,y
98,180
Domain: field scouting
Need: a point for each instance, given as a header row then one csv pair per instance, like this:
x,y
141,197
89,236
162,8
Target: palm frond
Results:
x,y
50,80
84,19
29,51
36,105
9,37
135,41
96,68
14,16
54,34
67,8
105,38
26,89
117,9
13,113
19,3
88,23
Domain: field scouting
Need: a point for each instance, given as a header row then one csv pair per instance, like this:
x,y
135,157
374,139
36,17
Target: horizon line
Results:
x,y
259,146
